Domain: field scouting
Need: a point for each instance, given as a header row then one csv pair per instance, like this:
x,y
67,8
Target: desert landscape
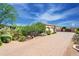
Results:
x,y
39,29
51,45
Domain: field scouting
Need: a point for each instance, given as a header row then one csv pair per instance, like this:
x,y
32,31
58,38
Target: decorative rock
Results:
x,y
76,47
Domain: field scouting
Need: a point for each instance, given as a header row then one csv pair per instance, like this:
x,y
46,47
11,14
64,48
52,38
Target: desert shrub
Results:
x,y
77,31
2,31
17,35
32,30
0,42
5,38
22,38
5,30
2,26
25,30
15,32
5,35
39,27
14,35
76,38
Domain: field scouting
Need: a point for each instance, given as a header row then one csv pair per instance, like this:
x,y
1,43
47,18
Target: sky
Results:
x,y
60,14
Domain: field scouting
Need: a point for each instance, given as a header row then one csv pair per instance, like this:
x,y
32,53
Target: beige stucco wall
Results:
x,y
50,27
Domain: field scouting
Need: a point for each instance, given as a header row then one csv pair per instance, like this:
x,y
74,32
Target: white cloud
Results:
x,y
72,23
71,11
48,17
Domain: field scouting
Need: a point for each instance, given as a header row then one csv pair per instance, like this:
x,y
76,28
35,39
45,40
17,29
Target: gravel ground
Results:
x,y
70,51
50,45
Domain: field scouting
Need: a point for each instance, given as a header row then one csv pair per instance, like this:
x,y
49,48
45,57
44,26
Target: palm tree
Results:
x,y
7,12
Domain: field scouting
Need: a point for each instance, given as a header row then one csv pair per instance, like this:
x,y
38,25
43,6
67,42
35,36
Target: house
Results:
x,y
50,27
58,28
64,29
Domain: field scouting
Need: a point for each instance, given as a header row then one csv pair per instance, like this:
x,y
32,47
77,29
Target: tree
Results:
x,y
7,12
64,28
39,27
34,29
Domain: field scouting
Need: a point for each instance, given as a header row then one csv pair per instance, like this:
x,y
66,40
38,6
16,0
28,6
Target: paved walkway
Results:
x,y
51,45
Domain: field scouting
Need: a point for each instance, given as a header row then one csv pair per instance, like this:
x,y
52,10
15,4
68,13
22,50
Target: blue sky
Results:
x,y
61,14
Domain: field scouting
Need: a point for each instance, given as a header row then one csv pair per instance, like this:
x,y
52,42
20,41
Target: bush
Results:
x,y
39,27
6,38
0,42
76,39
14,35
17,35
33,30
77,31
21,38
25,30
2,26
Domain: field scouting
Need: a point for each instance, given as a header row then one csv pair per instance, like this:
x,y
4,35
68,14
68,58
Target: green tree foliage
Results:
x,y
33,29
63,27
39,27
7,12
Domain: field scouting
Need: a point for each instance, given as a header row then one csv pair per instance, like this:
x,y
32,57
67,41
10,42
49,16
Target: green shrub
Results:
x,y
0,42
77,31
5,38
21,38
14,35
39,27
2,25
15,38
17,35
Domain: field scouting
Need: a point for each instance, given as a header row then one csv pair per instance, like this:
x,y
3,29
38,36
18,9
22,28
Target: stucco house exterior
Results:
x,y
58,28
50,27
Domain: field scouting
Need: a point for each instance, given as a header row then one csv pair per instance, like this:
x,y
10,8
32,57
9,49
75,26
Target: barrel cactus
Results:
x,y
5,38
